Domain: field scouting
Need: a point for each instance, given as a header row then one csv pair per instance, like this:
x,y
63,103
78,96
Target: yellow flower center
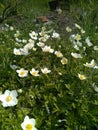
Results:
x,y
22,73
64,61
29,127
8,98
34,73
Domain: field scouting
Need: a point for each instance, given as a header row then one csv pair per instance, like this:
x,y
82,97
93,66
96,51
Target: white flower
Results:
x,y
31,41
59,11
41,44
58,54
79,43
11,28
77,37
34,72
47,49
28,124
77,26
56,35
18,40
24,51
22,72
17,51
14,67
44,38
95,87
45,71
29,46
64,61
68,29
87,40
82,31
33,35
76,47
9,98
96,48
82,77
24,41
92,64
17,34
34,48
76,55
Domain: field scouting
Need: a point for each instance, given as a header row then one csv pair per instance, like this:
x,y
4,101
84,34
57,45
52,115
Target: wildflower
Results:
x,y
64,61
17,34
17,51
34,49
29,46
33,35
18,40
76,55
87,40
20,90
76,47
92,64
22,72
31,41
95,48
24,51
41,44
59,11
14,67
58,54
11,28
77,37
95,87
56,35
47,49
82,31
82,77
28,124
24,41
45,71
77,26
68,29
9,98
34,72
79,43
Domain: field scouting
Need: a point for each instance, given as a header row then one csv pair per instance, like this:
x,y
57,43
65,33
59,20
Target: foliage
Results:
x,y
7,8
59,100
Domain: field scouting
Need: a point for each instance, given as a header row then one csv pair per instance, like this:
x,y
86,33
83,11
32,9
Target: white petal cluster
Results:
x,y
82,77
28,124
87,40
22,72
56,35
58,54
9,98
76,55
47,49
45,71
34,72
33,35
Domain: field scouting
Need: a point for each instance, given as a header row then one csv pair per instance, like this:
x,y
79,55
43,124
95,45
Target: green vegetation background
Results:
x,y
59,102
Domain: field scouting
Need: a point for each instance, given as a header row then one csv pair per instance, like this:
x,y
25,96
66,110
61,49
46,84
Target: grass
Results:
x,y
59,100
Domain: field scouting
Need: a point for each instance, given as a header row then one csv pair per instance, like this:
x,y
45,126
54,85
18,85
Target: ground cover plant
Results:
x,y
49,72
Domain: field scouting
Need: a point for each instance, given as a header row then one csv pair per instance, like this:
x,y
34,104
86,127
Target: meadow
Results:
x,y
49,69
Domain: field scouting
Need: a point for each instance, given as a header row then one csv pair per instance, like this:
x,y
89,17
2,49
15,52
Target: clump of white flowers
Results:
x,y
92,64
